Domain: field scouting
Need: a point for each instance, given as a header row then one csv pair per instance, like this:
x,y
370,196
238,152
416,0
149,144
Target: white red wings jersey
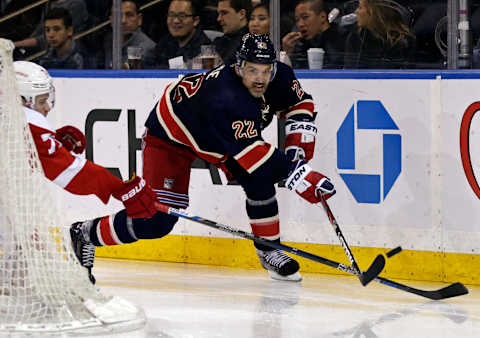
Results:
x,y
71,172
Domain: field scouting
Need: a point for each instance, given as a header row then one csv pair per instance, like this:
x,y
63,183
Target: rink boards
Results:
x,y
402,149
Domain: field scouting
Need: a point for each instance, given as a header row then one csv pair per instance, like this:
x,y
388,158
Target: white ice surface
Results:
x,y
185,300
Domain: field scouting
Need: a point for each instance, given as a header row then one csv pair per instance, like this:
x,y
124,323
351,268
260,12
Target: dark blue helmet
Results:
x,y
256,48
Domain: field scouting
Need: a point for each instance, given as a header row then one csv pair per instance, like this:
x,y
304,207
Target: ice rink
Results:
x,y
186,300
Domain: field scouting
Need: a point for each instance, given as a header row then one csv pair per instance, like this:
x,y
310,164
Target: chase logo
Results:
x,y
370,115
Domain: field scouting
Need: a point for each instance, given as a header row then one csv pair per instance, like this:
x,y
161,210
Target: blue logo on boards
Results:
x,y
366,188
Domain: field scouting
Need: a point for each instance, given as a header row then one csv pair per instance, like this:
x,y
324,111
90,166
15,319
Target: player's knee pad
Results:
x,y
158,226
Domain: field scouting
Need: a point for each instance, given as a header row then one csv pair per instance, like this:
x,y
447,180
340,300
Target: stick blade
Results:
x,y
394,252
373,271
453,290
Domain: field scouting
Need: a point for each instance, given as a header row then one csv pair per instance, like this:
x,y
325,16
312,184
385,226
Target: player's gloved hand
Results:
x,y
300,140
308,183
71,138
138,198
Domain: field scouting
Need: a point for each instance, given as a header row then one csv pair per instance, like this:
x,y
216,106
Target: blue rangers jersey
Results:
x,y
215,116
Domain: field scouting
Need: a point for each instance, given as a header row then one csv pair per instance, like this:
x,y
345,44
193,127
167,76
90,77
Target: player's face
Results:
x,y
256,77
308,22
41,104
180,20
56,33
230,20
259,21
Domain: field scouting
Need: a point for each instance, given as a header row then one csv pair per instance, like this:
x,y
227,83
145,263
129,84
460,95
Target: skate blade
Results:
x,y
294,277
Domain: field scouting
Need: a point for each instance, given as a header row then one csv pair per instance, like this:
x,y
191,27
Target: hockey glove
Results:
x,y
300,140
71,138
138,198
309,184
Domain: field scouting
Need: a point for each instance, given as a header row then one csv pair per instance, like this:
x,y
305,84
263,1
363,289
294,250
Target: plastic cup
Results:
x,y
134,54
315,58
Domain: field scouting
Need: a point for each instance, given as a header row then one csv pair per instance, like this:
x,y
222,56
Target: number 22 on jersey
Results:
x,y
244,129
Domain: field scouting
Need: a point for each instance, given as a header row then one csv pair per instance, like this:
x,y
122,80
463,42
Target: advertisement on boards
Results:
x,y
378,140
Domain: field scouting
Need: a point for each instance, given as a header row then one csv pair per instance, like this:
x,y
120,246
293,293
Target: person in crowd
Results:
x,y
259,22
80,19
233,17
383,40
132,35
314,31
184,35
63,52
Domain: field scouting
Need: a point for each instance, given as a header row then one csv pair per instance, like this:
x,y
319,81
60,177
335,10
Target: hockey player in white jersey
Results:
x,y
59,153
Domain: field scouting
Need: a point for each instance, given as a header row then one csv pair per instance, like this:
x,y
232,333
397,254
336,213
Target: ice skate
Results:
x,y
84,250
280,266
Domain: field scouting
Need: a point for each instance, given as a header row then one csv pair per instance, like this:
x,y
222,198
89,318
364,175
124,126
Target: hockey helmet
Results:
x,y
257,48
33,80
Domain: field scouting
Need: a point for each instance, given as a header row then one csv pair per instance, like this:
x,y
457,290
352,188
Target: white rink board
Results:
x,y
429,207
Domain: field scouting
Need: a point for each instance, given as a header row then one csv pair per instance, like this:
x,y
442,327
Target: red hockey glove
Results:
x,y
138,198
300,141
71,138
309,184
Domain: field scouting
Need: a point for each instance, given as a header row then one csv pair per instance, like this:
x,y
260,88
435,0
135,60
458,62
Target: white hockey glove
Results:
x,y
300,140
309,184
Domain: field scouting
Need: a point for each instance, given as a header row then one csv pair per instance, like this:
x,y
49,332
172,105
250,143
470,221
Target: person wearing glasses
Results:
x,y
132,34
184,35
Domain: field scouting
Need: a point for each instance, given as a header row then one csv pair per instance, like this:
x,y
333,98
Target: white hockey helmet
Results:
x,y
33,80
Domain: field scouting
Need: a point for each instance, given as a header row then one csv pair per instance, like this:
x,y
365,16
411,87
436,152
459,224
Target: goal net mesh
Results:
x,y
42,285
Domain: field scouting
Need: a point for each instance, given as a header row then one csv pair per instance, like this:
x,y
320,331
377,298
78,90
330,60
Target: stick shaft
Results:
x,y
452,290
339,234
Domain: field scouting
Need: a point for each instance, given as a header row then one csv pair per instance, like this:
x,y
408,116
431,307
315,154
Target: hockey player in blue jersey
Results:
x,y
219,116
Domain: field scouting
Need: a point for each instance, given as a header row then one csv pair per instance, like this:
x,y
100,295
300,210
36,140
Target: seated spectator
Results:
x,y
382,40
3,6
80,21
259,22
132,35
314,31
184,35
63,52
233,18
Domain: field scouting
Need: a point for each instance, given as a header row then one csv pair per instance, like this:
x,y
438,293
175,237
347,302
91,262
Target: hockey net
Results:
x,y
43,288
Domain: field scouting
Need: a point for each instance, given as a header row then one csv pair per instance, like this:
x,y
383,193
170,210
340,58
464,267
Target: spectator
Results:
x,y
80,21
184,35
22,25
233,18
259,22
314,31
63,52
132,34
382,40
3,6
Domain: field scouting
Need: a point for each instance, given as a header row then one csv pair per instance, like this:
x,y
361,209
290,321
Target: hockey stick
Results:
x,y
377,265
453,290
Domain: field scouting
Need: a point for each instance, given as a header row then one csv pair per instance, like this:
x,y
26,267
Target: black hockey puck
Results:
x,y
393,252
